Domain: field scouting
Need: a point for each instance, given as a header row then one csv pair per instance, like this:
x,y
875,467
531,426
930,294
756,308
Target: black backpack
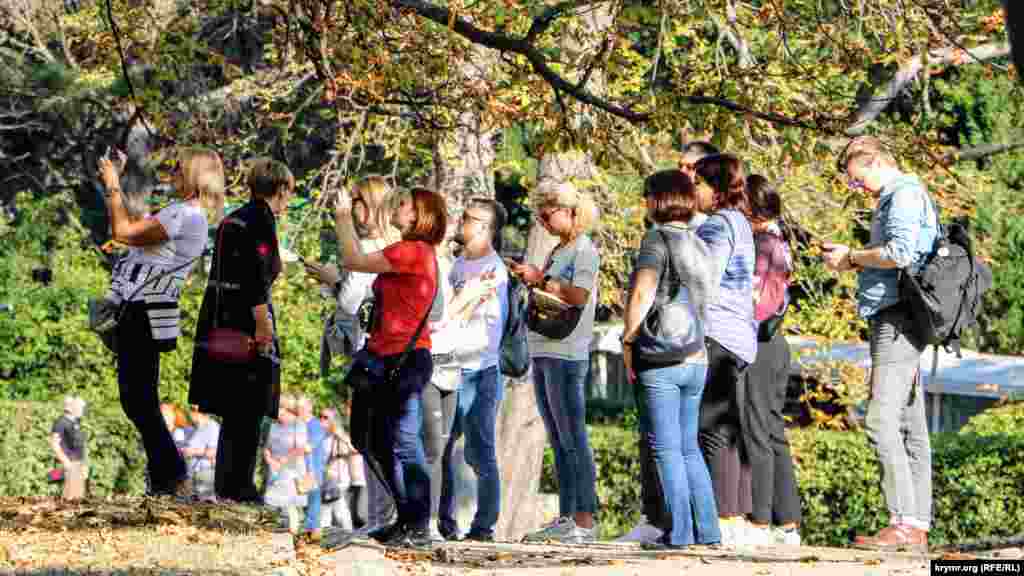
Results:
x,y
515,356
945,294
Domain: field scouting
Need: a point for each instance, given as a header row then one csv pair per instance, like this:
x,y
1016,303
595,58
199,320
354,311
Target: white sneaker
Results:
x,y
727,528
578,535
757,536
788,537
561,529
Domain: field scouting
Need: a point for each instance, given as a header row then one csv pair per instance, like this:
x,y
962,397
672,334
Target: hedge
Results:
x,y
117,460
977,478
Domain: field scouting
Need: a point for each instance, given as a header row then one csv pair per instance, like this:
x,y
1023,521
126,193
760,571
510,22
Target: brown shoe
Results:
x,y
894,538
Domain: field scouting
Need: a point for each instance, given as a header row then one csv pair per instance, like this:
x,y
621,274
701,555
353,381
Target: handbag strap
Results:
x,y
671,263
423,322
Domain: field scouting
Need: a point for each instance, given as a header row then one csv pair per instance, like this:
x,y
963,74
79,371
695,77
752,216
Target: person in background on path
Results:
x,y
200,451
67,440
357,492
560,367
652,511
904,227
164,245
673,265
285,454
731,338
479,308
773,492
338,448
316,463
238,298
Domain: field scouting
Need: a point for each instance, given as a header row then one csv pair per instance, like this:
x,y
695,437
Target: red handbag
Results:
x,y
223,344
55,475
230,345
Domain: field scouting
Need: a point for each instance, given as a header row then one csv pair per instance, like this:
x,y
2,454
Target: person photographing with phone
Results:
x,y
396,361
162,250
560,366
904,227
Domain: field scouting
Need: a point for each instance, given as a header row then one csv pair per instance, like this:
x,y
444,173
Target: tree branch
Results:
x,y
979,152
871,108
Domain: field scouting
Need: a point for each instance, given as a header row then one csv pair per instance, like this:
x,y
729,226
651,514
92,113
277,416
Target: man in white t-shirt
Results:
x,y
480,283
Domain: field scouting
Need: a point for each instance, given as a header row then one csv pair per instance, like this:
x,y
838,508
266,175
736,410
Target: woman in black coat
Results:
x,y
239,387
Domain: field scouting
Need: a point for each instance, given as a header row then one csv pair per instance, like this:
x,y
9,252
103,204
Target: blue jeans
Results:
x,y
386,429
476,416
669,416
558,385
313,508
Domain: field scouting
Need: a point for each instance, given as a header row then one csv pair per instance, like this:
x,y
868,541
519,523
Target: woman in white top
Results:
x,y
164,248
372,204
285,455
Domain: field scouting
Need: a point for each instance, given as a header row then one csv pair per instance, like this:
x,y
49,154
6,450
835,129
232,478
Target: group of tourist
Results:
x,y
701,345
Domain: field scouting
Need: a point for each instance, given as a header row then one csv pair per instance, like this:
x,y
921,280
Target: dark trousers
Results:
x,y
138,380
720,431
386,430
237,454
357,505
773,484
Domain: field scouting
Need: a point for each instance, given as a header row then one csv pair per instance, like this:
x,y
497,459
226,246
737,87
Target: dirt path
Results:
x,y
160,537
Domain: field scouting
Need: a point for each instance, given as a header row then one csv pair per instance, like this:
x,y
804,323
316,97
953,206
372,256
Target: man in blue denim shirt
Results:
x,y
903,229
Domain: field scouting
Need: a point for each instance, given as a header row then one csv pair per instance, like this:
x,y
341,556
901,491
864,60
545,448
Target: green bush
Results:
x,y
978,480
116,458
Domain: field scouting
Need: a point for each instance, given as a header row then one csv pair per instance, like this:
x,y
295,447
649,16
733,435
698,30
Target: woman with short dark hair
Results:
x,y
246,262
731,337
673,266
386,420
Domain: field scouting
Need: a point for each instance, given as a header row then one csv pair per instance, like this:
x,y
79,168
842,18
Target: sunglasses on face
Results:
x,y
546,215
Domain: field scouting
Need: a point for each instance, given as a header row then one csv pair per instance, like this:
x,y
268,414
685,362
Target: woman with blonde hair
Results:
x,y
239,378
372,200
560,365
163,249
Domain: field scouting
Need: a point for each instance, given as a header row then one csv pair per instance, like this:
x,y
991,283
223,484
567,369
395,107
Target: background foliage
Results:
x,y
976,477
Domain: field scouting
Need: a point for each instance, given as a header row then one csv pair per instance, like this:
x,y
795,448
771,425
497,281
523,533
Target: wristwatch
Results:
x,y
544,282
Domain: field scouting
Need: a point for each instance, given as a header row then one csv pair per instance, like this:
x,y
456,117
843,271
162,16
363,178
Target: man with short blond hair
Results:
x,y
904,227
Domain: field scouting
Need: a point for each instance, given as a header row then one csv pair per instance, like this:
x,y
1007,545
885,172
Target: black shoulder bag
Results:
x,y
549,318
367,367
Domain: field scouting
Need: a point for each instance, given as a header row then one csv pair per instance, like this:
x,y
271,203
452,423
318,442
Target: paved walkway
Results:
x,y
611,559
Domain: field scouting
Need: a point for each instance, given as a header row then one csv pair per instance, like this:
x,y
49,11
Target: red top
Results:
x,y
404,297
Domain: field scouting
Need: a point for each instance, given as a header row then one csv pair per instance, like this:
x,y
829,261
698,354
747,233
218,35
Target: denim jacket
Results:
x,y
905,225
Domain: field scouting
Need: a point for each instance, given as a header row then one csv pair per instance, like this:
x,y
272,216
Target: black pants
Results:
x,y
138,381
237,454
357,505
773,484
720,431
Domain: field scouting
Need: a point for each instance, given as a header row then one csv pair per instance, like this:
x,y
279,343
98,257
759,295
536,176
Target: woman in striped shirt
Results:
x,y
162,250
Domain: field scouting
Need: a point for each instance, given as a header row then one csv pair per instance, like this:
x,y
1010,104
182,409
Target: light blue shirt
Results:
x,y
905,226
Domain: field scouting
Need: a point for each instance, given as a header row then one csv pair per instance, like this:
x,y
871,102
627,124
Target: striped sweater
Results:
x,y
134,275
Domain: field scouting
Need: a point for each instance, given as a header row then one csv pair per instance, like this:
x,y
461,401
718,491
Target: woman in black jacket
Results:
x,y
237,316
